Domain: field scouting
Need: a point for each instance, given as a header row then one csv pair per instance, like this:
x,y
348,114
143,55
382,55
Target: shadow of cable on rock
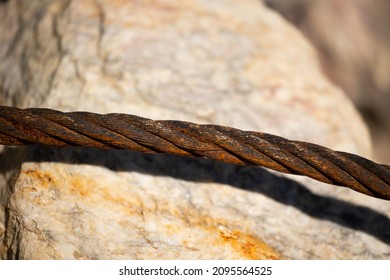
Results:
x,y
250,178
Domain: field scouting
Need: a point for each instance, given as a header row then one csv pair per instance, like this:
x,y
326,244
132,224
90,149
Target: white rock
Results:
x,y
225,62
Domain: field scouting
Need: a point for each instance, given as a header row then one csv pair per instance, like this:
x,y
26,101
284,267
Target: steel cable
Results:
x,y
123,131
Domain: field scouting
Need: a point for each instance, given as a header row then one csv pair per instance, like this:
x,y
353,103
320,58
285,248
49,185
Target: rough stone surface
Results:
x,y
226,62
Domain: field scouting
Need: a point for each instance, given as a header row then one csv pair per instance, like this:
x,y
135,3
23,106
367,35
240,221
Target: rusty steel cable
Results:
x,y
123,131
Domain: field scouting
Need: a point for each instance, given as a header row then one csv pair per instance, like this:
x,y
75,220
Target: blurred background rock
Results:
x,y
353,41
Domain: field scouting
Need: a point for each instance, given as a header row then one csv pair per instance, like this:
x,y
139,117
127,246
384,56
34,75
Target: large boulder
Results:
x,y
353,41
226,62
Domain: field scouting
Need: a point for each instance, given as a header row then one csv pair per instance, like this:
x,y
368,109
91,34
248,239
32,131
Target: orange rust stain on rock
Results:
x,y
171,229
42,179
248,246
37,201
225,233
81,185
77,184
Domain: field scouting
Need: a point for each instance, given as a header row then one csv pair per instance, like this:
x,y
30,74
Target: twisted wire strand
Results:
x,y
123,131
